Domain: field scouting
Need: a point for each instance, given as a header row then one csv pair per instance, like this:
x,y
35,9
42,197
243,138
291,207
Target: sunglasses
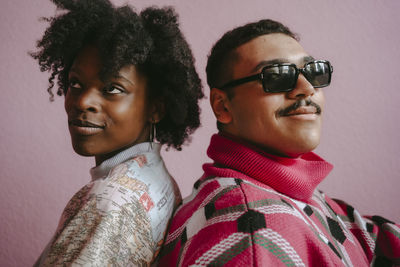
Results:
x,y
283,77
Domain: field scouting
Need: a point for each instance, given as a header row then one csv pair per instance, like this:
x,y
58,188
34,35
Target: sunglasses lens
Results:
x,y
318,73
279,78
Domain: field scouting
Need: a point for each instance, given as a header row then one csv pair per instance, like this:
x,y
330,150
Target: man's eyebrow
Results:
x,y
308,59
270,62
264,63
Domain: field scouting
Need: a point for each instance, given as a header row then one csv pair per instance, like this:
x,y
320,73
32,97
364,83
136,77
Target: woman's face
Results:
x,y
105,118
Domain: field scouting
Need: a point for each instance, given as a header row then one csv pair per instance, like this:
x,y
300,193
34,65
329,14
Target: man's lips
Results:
x,y
302,110
83,127
300,107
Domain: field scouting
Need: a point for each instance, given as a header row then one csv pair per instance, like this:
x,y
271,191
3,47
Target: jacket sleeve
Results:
x,y
379,237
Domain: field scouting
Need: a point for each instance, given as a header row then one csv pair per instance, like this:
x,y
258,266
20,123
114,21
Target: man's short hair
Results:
x,y
218,65
221,57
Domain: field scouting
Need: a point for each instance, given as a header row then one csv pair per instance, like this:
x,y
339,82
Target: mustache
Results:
x,y
297,104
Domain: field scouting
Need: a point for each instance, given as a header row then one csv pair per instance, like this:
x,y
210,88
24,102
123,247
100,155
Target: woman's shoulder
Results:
x,y
146,168
146,176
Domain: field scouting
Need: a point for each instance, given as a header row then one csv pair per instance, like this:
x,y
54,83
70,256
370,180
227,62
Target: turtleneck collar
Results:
x,y
104,168
295,177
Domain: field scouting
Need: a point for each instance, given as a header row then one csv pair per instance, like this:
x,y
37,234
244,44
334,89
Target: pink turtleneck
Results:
x,y
294,177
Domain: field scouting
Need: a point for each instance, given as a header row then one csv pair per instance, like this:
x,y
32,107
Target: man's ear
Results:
x,y
220,105
157,111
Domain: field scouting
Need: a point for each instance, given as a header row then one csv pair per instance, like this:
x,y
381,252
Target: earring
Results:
x,y
152,134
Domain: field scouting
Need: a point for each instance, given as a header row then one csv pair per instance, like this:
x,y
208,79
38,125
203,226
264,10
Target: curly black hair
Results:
x,y
151,40
219,59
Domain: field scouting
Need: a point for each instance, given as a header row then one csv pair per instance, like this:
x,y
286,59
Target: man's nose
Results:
x,y
302,89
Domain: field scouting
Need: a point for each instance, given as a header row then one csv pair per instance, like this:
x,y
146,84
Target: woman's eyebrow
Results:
x,y
118,76
74,70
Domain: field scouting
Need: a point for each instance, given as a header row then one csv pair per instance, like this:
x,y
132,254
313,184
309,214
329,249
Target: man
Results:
x,y
256,205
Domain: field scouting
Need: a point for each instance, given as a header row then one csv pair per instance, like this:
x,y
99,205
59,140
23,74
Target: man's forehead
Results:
x,y
270,49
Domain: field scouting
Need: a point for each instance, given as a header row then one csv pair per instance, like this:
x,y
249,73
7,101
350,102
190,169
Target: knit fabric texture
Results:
x,y
255,209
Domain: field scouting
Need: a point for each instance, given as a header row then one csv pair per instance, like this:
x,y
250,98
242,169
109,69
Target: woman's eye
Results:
x,y
112,89
74,85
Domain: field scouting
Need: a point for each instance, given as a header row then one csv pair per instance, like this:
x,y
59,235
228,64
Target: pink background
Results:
x,y
40,172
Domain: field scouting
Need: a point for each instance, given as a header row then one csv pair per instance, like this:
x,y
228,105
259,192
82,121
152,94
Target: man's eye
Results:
x,y
112,89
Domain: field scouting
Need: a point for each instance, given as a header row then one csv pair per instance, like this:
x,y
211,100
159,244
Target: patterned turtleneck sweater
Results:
x,y
251,208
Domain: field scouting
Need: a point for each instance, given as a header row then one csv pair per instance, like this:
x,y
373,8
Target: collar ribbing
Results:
x,y
294,177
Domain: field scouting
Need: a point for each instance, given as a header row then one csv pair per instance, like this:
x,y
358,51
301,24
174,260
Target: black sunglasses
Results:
x,y
283,77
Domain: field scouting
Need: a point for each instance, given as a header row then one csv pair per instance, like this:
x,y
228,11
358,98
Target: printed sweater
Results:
x,y
120,218
255,209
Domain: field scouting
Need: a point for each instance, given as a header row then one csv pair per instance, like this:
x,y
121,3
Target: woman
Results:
x,y
128,79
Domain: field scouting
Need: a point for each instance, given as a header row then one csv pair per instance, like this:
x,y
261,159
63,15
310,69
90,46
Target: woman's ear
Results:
x,y
220,105
157,111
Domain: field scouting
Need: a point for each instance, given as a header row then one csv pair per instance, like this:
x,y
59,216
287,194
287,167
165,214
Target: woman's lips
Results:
x,y
84,127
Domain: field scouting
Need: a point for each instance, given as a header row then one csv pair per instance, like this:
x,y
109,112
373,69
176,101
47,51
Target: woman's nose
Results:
x,y
88,99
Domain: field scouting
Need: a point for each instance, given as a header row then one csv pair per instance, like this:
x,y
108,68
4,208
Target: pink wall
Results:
x,y
40,172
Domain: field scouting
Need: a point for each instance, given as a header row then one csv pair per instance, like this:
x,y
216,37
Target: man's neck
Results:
x,y
259,148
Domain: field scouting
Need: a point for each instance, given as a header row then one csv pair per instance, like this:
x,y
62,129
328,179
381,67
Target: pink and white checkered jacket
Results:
x,y
254,209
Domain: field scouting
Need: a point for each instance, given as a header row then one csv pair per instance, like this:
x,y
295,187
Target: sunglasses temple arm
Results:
x,y
258,76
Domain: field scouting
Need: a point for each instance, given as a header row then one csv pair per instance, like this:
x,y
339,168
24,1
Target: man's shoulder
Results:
x,y
219,197
215,218
206,192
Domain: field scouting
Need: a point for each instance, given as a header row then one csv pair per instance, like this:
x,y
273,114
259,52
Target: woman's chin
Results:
x,y
83,151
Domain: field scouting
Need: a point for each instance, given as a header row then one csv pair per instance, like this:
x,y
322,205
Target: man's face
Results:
x,y
261,118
